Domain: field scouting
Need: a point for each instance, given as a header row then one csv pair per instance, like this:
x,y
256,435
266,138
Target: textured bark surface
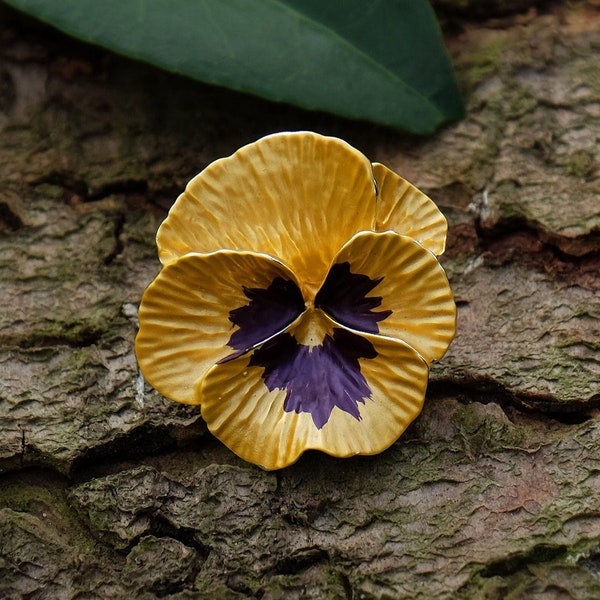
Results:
x,y
107,489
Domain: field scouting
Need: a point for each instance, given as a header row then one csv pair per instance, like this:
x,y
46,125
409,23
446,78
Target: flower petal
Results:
x,y
297,196
404,209
412,291
252,420
189,313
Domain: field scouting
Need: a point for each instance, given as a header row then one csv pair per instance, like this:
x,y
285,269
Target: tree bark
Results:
x,y
107,489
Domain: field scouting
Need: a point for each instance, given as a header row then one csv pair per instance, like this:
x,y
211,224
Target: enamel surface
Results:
x,y
413,288
298,197
402,208
185,323
252,419
345,297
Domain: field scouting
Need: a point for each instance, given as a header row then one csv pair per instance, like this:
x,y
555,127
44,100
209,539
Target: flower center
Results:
x,y
312,328
316,362
344,297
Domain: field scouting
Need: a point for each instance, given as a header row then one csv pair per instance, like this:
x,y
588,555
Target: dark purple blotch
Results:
x,y
343,296
269,311
317,379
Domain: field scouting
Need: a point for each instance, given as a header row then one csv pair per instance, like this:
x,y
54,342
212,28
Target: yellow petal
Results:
x,y
248,418
413,286
297,196
185,323
404,209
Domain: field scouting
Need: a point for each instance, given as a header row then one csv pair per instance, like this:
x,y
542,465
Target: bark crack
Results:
x,y
9,220
540,553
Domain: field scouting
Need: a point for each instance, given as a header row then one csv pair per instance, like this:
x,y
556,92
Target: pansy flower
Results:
x,y
300,302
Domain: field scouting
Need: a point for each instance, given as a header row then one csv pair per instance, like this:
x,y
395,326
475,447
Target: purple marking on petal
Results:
x,y
269,311
343,297
319,378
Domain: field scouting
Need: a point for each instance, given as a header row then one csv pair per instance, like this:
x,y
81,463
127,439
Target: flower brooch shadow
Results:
x,y
300,302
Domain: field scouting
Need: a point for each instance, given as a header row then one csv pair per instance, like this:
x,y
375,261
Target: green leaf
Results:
x,y
379,60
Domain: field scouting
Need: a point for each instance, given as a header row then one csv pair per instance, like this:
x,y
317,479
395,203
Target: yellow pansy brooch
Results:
x,y
300,302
